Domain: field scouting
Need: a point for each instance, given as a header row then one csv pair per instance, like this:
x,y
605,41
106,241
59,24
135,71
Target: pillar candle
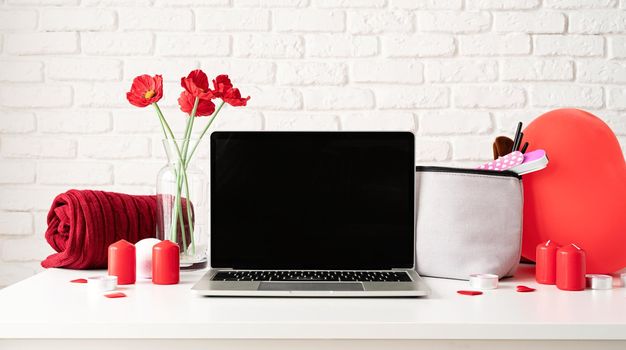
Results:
x,y
121,262
545,269
165,263
144,257
570,268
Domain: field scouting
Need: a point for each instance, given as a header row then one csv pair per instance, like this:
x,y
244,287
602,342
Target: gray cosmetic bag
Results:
x,y
468,221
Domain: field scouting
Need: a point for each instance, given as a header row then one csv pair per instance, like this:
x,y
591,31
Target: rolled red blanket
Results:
x,y
83,223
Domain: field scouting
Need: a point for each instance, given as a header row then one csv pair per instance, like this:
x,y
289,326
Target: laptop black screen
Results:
x,y
312,200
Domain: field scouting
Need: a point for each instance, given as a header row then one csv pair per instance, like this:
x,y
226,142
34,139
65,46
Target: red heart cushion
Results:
x,y
581,196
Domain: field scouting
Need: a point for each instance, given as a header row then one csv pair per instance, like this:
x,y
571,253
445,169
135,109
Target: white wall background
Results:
x,y
458,72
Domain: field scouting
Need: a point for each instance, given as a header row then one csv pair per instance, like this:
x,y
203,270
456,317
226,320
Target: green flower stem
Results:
x,y
179,180
188,132
206,128
188,160
181,174
179,201
177,205
189,219
182,182
178,210
185,181
163,129
166,126
166,129
189,128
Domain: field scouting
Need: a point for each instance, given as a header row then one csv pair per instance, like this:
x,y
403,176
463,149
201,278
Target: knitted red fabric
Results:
x,y
83,223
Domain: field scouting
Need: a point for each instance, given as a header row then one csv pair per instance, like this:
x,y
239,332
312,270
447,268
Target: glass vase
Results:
x,y
182,204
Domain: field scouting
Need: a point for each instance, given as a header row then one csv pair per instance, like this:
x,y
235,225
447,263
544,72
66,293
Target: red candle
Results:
x,y
122,261
570,268
165,263
545,269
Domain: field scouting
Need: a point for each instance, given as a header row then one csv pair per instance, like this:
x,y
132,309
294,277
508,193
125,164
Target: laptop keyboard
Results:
x,y
339,276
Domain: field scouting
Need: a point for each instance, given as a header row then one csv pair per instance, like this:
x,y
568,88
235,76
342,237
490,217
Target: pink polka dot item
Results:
x,y
504,163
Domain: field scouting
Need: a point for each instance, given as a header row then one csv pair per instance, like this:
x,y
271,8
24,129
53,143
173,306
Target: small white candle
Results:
x,y
602,282
483,281
99,284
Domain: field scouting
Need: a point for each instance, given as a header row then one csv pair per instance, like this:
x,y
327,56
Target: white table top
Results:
x,y
49,306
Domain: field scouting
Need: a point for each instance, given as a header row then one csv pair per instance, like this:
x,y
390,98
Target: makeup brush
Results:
x,y
502,146
516,137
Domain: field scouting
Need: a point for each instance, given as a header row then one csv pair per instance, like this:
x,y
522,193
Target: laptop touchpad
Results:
x,y
314,286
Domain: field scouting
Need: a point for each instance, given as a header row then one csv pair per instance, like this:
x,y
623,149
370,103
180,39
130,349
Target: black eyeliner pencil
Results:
x,y
524,148
519,141
516,138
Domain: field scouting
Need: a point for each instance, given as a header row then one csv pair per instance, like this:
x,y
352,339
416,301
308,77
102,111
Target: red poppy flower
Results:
x,y
145,90
221,85
233,98
197,84
224,89
186,101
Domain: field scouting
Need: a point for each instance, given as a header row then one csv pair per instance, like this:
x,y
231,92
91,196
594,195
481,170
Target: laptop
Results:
x,y
315,214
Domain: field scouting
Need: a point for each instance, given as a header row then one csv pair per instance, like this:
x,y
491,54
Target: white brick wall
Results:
x,y
457,72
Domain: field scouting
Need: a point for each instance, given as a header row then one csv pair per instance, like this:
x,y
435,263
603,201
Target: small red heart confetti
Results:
x,y
469,292
79,280
115,295
524,289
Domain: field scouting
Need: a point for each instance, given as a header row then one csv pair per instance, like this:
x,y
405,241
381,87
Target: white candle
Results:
x,y
595,281
102,283
144,257
483,281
